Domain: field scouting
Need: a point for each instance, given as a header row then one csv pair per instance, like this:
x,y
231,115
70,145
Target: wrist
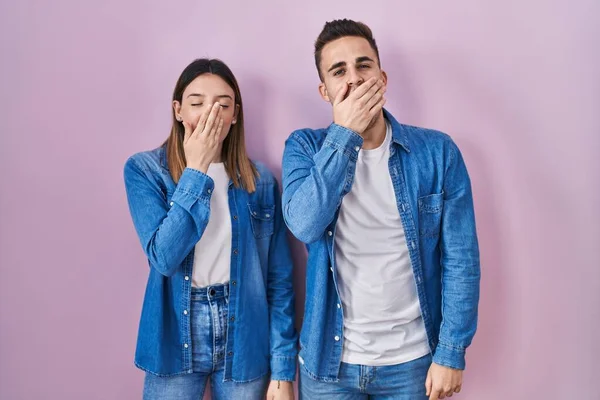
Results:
x,y
201,166
349,126
277,383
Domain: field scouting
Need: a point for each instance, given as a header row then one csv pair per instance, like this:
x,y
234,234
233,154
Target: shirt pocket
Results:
x,y
430,214
262,219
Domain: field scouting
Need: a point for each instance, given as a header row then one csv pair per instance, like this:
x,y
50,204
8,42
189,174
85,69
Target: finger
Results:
x,y
214,132
428,384
434,395
203,118
377,107
217,113
376,97
214,112
340,94
458,389
364,88
220,128
369,93
187,129
364,99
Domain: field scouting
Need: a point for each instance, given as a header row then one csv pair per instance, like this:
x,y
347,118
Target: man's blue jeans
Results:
x,y
404,381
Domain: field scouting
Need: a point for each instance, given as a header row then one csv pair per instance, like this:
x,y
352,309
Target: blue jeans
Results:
x,y
404,381
208,319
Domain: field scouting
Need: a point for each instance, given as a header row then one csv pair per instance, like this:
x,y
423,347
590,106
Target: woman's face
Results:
x,y
201,94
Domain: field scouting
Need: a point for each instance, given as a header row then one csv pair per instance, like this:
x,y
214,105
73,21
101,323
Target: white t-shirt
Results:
x,y
382,316
212,254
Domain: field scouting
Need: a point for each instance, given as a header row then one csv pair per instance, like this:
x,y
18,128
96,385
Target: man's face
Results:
x,y
347,60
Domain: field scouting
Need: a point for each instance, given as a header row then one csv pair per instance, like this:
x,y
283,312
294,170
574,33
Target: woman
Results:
x,y
219,302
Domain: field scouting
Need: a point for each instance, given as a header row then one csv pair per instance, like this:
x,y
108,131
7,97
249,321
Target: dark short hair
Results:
x,y
340,28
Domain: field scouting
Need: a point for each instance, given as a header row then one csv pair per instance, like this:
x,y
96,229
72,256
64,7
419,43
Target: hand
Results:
x,y
280,390
361,106
202,144
442,382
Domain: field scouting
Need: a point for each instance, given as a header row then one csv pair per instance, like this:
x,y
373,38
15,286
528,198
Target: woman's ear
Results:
x,y
177,110
235,114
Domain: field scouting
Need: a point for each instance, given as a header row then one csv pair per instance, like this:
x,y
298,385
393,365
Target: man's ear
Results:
x,y
384,77
323,92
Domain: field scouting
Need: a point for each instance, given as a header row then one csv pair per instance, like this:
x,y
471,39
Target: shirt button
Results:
x,y
209,190
235,217
331,268
232,319
187,278
339,306
184,312
235,251
234,283
357,148
230,353
171,204
337,338
185,345
330,233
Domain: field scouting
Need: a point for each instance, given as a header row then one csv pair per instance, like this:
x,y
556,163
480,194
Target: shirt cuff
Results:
x,y
193,186
344,140
449,356
283,368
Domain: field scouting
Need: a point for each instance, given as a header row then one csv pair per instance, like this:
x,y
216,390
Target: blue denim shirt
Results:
x,y
433,195
169,219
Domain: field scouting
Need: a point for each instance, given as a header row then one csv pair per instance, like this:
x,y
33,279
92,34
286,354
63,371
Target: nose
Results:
x,y
355,80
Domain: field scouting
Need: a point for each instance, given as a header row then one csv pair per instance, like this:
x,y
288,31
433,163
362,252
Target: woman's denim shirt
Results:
x,y
170,219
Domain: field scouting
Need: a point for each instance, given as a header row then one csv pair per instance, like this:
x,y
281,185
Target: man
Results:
x,y
386,211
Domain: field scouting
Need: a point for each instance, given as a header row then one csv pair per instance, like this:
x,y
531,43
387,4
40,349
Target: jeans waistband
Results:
x,y
213,292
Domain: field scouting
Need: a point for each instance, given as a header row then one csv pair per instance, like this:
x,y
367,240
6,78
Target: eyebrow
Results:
x,y
343,63
223,96
337,65
363,59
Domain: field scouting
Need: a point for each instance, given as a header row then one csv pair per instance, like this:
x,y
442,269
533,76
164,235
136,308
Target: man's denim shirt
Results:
x,y
435,203
169,219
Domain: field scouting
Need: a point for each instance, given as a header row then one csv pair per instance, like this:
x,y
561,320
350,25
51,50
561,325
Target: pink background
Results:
x,y
83,85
